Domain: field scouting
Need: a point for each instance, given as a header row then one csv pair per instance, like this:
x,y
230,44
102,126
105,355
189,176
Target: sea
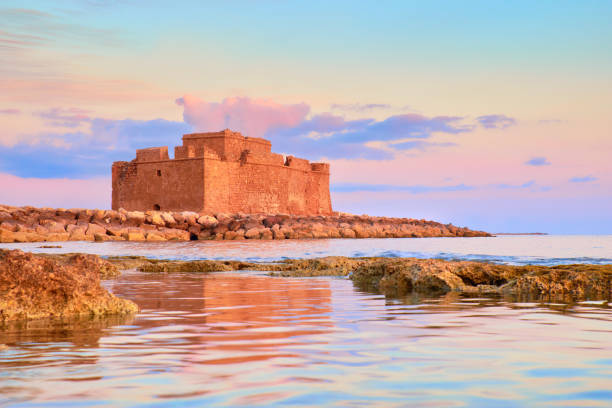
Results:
x,y
248,339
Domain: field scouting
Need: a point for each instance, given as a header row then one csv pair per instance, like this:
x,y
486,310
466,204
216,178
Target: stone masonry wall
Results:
x,y
221,172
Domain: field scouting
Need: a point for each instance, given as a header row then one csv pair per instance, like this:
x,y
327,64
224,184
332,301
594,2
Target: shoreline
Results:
x,y
63,285
30,224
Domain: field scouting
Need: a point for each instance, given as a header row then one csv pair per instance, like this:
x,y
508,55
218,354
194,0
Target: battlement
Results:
x,y
221,172
152,154
229,145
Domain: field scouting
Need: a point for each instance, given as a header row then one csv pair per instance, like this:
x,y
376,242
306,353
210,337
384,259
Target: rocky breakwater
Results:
x,y
29,224
33,287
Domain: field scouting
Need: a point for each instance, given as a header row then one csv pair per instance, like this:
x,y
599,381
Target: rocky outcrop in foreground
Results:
x,y
400,276
29,224
33,287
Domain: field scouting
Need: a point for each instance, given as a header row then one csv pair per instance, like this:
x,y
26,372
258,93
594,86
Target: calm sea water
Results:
x,y
246,339
516,249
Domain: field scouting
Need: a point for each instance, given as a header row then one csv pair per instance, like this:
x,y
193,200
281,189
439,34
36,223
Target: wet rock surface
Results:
x,y
400,276
30,224
33,287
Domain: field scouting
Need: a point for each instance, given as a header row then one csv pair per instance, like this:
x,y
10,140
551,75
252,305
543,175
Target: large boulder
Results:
x,y
35,287
208,221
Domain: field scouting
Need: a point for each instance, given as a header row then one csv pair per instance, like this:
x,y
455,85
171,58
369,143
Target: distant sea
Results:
x,y
505,249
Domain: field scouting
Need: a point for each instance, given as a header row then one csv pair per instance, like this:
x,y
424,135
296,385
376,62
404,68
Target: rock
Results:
x,y
78,228
347,233
234,225
398,276
152,236
93,229
135,218
251,224
270,221
190,217
10,225
173,234
115,230
36,287
6,236
134,236
58,237
253,233
155,218
207,221
54,226
266,233
223,218
102,237
168,219
228,235
77,235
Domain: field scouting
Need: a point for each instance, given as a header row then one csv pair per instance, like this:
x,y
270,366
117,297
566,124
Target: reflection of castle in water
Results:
x,y
233,318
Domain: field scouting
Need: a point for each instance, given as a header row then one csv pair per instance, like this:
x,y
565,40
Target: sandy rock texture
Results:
x,y
29,224
400,276
33,287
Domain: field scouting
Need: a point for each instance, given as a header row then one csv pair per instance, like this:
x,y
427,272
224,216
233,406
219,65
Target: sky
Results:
x,y
490,114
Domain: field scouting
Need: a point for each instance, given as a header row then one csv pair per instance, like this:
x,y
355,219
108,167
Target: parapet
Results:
x,y
152,154
258,145
297,163
184,152
320,167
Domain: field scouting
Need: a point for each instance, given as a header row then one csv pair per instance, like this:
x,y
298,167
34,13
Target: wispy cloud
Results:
x,y
89,152
415,189
359,107
10,111
538,161
495,121
585,179
69,117
530,185
324,135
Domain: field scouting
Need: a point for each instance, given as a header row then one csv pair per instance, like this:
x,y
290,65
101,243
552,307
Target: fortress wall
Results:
x,y
255,187
257,145
152,153
265,158
320,190
297,163
221,172
216,186
184,152
178,186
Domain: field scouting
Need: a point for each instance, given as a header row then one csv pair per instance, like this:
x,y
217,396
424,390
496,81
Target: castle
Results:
x,y
221,172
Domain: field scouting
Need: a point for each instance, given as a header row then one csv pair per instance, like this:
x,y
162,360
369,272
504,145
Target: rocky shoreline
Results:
x,y
35,287
401,276
30,224
68,285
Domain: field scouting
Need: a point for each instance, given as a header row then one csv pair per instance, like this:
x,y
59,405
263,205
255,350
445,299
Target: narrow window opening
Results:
x,y
158,173
156,207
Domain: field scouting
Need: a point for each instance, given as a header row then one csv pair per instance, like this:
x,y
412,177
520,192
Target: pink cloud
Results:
x,y
62,193
253,117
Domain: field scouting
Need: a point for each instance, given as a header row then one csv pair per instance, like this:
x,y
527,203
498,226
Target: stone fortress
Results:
x,y
221,172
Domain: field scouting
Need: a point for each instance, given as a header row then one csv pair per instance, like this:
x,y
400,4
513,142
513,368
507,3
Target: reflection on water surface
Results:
x,y
242,339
